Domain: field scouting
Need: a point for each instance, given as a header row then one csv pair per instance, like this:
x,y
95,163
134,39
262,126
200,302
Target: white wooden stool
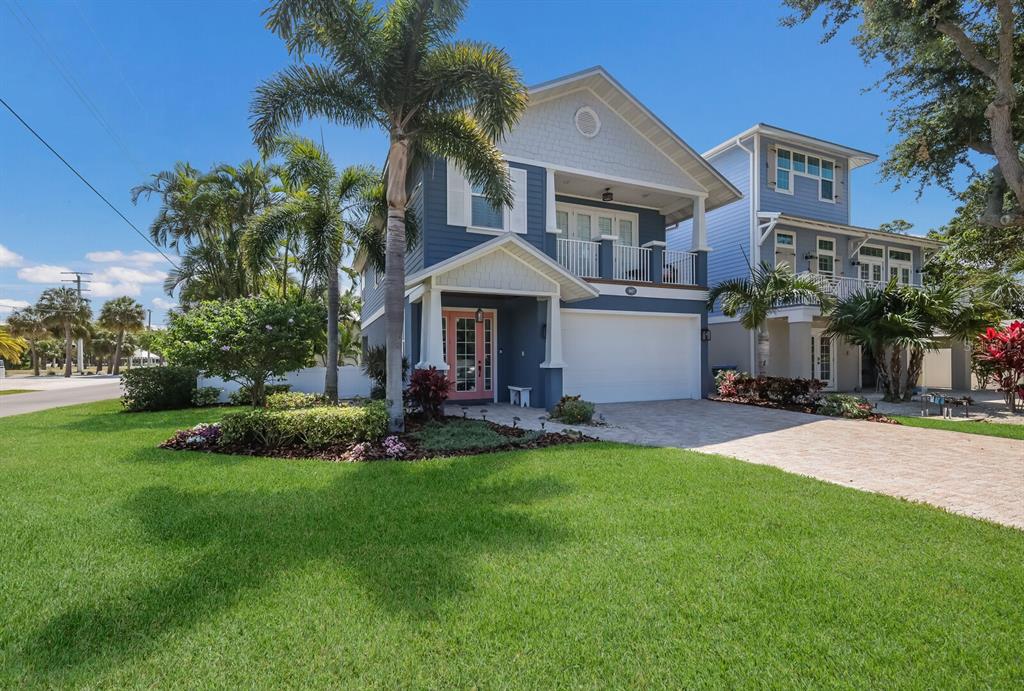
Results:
x,y
519,395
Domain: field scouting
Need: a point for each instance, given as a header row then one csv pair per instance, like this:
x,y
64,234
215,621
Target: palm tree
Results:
x,y
315,218
102,346
121,315
767,289
63,309
11,347
399,69
203,217
29,324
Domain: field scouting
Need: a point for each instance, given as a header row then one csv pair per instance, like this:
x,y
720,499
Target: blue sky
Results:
x,y
157,82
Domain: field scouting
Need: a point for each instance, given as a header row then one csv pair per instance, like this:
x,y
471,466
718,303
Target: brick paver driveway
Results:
x,y
967,473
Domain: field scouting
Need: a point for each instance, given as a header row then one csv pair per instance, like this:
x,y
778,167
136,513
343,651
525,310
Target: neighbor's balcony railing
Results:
x,y
580,257
842,287
631,263
679,268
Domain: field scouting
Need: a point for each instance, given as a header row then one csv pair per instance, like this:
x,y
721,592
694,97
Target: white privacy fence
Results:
x,y
352,382
580,257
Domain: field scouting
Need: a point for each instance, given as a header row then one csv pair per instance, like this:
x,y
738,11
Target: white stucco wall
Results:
x,y
352,382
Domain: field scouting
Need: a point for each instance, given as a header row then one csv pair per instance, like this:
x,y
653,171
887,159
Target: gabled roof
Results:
x,y
857,157
615,96
570,287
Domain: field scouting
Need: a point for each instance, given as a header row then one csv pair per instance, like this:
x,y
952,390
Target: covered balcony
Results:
x,y
842,287
621,238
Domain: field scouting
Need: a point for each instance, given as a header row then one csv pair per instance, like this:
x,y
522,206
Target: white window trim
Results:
x,y
785,248
594,212
872,260
900,264
793,172
831,253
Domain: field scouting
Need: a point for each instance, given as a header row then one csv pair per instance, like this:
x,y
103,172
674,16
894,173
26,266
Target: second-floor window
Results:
x,y
785,249
872,263
589,223
901,265
826,256
484,213
790,163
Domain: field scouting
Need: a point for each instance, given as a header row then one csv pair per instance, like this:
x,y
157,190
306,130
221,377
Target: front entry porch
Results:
x,y
491,318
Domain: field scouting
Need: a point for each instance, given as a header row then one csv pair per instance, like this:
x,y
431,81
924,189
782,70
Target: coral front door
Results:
x,y
469,352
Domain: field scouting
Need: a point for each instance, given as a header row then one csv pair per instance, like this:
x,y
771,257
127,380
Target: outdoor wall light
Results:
x,y
479,316
607,195
810,255
705,335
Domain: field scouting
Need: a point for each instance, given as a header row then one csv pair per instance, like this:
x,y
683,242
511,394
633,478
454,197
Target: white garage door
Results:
x,y
612,358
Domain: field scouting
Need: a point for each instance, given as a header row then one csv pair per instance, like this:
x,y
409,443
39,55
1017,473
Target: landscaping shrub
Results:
x,y
573,410
206,396
845,405
428,390
158,388
291,400
375,364
458,435
244,397
781,390
203,436
312,428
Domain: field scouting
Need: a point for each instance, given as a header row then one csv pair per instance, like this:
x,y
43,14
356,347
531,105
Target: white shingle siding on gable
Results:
x,y
547,132
497,271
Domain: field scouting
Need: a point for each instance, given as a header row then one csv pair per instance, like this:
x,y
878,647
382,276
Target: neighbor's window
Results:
x,y
789,163
826,257
484,213
901,266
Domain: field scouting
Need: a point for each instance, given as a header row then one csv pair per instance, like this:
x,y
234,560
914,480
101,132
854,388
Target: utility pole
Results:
x,y
149,326
77,280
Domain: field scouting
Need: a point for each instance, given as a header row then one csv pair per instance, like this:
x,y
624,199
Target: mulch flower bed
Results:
x,y
399,447
798,408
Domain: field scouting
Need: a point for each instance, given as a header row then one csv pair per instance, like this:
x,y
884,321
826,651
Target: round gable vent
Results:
x,y
587,122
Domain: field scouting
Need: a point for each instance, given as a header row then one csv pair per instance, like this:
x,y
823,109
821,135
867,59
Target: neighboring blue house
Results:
x,y
796,210
571,290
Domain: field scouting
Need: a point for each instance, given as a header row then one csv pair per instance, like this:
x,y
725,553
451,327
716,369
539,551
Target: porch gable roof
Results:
x,y
570,288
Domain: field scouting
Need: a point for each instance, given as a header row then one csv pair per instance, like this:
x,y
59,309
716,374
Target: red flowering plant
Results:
x,y
1000,355
428,390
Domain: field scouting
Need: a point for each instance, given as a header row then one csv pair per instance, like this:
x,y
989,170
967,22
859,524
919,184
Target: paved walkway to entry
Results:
x,y
966,473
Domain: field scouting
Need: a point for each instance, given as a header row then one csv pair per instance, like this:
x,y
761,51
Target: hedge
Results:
x,y
311,428
158,388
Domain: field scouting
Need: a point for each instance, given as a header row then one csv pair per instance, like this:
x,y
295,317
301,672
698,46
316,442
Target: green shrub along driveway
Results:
x,y
587,565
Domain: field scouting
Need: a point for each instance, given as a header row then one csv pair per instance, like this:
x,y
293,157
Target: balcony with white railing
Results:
x,y
580,257
842,287
631,263
679,268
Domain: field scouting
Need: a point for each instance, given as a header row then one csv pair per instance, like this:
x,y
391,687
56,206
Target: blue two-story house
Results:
x,y
796,210
571,290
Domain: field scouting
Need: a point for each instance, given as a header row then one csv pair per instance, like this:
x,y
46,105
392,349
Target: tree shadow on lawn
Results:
x,y
407,535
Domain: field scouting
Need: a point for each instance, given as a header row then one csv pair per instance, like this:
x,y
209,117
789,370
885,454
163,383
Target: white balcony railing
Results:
x,y
631,263
679,268
580,257
842,287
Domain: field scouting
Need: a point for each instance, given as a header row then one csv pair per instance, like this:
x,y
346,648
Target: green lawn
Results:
x,y
990,429
8,392
595,565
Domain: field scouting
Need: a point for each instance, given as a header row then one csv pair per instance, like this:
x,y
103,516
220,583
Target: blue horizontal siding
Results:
x,y
804,201
807,243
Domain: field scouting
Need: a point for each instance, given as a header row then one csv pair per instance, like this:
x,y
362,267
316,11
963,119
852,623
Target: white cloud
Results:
x,y
8,305
106,289
42,273
136,258
129,275
9,258
164,304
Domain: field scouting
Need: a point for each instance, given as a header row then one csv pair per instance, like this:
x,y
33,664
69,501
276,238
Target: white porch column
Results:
x,y
700,233
550,220
431,350
553,344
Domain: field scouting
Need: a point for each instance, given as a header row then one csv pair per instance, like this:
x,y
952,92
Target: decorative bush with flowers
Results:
x,y
204,436
785,391
999,357
247,340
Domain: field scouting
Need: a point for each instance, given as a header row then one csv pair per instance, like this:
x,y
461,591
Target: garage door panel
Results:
x,y
614,358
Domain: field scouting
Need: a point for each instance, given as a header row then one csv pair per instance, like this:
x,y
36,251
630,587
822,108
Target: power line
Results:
x,y
87,183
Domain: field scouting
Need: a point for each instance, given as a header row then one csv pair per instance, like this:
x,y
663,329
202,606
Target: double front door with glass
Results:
x,y
823,359
469,352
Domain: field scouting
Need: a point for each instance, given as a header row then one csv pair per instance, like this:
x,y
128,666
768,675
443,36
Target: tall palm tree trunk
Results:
x,y
881,367
892,390
35,357
116,364
394,277
67,349
763,351
333,299
914,368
